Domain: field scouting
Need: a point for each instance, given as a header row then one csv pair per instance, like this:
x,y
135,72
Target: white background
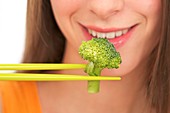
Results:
x,y
12,30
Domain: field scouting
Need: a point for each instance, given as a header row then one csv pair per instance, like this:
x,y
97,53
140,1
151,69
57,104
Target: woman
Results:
x,y
140,31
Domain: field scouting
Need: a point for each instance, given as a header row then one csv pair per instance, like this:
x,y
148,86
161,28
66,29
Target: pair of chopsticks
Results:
x,y
47,77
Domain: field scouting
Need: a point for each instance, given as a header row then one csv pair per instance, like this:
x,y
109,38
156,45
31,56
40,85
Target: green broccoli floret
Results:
x,y
101,54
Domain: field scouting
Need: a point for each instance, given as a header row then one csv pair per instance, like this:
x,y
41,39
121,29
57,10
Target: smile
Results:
x,y
108,35
117,36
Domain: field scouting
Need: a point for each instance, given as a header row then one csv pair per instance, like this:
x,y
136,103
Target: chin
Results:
x,y
123,70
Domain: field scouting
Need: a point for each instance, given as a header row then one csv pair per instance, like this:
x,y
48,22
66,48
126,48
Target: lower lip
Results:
x,y
118,41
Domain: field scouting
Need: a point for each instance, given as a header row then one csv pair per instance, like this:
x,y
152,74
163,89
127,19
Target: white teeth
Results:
x,y
94,33
90,31
103,35
99,35
125,31
109,35
119,33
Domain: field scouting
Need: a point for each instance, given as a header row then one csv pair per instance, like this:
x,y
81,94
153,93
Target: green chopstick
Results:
x,y
51,77
38,66
46,77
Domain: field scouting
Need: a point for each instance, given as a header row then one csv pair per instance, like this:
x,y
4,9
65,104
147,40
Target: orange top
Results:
x,y
19,97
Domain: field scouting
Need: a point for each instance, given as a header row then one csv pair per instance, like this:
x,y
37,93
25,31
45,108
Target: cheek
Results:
x,y
64,13
145,7
137,52
65,7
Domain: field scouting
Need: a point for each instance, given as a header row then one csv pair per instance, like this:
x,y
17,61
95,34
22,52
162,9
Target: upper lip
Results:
x,y
106,30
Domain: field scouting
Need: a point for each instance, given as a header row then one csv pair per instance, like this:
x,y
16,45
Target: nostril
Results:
x,y
104,15
106,8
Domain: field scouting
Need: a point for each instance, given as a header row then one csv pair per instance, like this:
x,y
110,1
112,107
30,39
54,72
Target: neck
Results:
x,y
125,96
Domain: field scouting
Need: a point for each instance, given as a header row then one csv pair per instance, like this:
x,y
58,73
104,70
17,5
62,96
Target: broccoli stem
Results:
x,y
92,70
94,86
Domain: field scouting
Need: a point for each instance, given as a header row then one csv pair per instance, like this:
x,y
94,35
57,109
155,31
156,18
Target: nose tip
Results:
x,y
105,8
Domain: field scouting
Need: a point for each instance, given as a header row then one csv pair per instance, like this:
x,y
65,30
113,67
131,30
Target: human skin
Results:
x,y
108,14
74,17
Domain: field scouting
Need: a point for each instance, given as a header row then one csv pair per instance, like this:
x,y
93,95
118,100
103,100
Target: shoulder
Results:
x,y
8,89
0,104
7,95
14,87
7,86
0,98
16,96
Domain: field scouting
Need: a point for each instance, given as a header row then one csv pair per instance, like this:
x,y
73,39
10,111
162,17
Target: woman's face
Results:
x,y
133,26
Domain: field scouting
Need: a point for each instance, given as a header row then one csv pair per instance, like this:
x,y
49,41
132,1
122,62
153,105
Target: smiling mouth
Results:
x,y
117,36
107,34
